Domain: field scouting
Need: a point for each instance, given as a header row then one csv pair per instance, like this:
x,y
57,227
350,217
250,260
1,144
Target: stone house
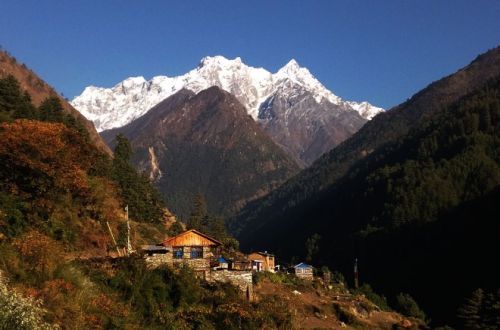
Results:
x,y
262,261
191,247
202,253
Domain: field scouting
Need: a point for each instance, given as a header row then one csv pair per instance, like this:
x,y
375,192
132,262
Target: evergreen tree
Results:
x,y
312,246
470,312
491,314
144,201
123,149
406,305
218,228
198,215
13,102
175,229
51,110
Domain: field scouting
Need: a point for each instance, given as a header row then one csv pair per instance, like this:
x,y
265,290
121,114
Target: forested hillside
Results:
x,y
417,211
387,127
58,193
38,91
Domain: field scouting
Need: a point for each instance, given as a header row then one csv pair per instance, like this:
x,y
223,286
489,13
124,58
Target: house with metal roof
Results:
x,y
191,247
304,271
262,261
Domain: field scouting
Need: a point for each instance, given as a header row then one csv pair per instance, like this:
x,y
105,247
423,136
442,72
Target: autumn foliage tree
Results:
x,y
42,158
40,252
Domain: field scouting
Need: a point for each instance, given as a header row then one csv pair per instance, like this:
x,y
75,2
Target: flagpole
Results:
x,y
129,246
356,273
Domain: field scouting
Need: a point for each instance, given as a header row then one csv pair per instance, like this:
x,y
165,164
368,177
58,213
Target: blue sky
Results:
x,y
380,51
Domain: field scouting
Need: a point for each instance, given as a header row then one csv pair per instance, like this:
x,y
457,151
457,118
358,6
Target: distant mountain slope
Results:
x,y
305,125
206,143
385,128
413,205
39,90
288,100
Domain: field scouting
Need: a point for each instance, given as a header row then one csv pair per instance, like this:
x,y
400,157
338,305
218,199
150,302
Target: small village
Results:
x,y
204,255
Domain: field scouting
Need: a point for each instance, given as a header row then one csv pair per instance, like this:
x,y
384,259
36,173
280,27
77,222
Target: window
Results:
x,y
178,253
196,252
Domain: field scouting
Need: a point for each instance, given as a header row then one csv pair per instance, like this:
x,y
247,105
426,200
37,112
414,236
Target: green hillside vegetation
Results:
x,y
144,201
408,208
58,193
386,128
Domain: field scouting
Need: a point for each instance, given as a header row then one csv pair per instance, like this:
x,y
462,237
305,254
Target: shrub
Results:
x,y
343,315
18,312
406,305
280,278
375,298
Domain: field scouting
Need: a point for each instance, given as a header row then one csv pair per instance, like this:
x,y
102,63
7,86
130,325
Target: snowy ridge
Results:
x,y
130,99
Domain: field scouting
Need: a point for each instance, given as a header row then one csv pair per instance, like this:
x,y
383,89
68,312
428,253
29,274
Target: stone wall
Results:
x,y
239,278
198,263
157,260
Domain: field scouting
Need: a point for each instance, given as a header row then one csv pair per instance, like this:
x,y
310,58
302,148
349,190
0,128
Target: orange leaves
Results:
x,y
93,236
40,156
40,252
108,306
57,286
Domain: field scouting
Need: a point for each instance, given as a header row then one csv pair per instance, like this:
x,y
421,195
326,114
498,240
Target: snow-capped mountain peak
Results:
x,y
131,98
292,71
218,60
292,65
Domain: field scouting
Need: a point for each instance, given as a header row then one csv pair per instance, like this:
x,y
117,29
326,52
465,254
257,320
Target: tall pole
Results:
x,y
356,283
113,238
129,246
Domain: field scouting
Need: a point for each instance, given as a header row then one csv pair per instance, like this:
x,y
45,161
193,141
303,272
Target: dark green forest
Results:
x,y
419,213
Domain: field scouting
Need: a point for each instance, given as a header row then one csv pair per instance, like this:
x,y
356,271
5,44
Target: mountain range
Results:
x,y
291,105
410,198
205,144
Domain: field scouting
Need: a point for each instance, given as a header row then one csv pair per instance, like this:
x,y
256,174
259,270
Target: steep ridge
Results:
x,y
205,143
39,90
407,206
385,128
287,100
304,127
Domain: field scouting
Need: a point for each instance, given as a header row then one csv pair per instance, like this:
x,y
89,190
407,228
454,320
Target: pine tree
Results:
x,y
408,306
51,110
175,229
470,311
218,228
13,102
312,246
123,149
491,314
199,213
144,201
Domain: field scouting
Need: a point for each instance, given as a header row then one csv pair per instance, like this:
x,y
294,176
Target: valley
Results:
x,y
249,165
